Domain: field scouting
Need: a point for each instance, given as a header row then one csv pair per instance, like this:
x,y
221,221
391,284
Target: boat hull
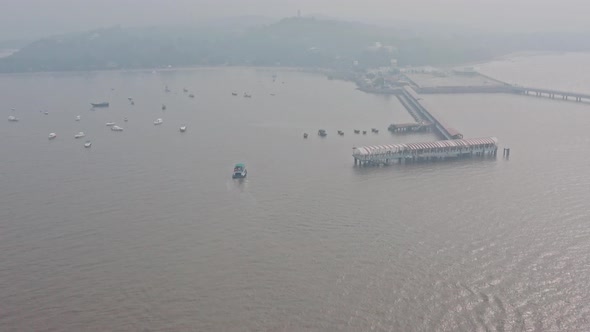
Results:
x,y
240,175
99,104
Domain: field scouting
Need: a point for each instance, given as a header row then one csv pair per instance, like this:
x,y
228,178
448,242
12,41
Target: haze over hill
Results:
x,y
295,41
38,18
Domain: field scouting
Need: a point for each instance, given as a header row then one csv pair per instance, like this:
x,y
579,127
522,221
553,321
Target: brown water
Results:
x,y
146,231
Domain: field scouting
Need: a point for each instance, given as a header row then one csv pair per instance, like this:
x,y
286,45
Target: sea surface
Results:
x,y
146,230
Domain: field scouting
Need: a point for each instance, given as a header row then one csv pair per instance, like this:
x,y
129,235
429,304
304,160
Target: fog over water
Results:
x,y
147,231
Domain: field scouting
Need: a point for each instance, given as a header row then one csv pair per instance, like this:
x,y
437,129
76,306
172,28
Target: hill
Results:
x,y
300,42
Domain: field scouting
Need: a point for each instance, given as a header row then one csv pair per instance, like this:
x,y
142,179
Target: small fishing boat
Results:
x,y
304,135
356,131
87,144
166,89
240,171
116,128
158,121
234,94
110,124
79,135
191,95
99,105
163,107
52,135
125,119
46,113
182,129
374,130
322,133
247,95
12,118
364,132
132,102
340,132
77,118
129,98
185,90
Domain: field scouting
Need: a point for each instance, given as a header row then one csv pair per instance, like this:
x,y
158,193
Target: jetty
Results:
x,y
411,101
425,151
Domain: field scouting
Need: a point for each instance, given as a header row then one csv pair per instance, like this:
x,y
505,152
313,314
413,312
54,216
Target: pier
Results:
x,y
410,127
476,82
411,101
565,95
426,151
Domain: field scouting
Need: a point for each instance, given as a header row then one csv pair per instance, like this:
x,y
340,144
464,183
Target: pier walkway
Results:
x,y
413,105
565,95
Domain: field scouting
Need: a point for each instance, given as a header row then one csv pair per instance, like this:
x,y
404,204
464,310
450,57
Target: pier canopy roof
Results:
x,y
376,150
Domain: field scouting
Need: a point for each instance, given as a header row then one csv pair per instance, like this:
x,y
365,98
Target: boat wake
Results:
x,y
238,188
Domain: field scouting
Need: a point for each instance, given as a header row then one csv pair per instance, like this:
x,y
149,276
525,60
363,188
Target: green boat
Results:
x,y
240,171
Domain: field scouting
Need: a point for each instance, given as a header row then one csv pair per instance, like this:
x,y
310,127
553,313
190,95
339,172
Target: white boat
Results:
x,y
12,118
79,135
158,121
87,144
116,128
77,118
52,135
110,124
182,129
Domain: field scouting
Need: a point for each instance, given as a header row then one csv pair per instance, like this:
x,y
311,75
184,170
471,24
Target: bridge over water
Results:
x,y
499,86
411,101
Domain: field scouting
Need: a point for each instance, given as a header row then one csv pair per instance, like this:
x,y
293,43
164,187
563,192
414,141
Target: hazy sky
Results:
x,y
33,18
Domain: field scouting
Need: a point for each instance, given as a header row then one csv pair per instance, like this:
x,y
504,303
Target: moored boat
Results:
x,y
79,135
356,131
116,128
191,95
182,129
304,135
52,135
322,133
103,104
240,171
340,132
110,124
158,121
12,118
87,144
77,118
